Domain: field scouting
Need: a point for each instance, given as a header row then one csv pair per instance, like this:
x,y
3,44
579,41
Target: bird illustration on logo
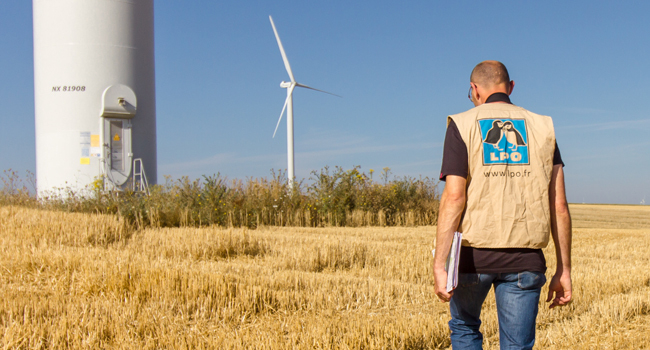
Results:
x,y
499,130
505,141
495,134
512,136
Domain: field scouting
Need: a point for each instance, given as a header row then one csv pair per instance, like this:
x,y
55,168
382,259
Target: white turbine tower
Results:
x,y
288,105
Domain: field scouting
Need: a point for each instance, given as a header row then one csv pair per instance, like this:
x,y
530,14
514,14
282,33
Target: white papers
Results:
x,y
452,262
451,266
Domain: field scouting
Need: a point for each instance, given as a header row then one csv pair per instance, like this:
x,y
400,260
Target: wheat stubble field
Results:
x,y
83,281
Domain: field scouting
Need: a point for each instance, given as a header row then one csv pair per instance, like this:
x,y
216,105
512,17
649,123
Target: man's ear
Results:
x,y
512,87
475,92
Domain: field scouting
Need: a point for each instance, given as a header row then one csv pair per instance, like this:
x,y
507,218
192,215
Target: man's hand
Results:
x,y
440,276
561,232
561,286
452,204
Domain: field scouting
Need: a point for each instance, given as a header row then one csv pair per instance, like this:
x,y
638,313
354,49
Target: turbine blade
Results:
x,y
311,88
284,55
281,113
286,102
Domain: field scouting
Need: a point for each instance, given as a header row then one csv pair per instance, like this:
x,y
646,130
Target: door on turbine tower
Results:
x,y
117,133
119,106
117,146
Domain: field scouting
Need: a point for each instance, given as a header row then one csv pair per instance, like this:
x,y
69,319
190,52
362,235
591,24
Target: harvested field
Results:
x,y
87,281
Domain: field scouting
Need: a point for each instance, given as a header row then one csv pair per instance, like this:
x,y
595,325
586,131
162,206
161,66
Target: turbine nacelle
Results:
x,y
285,84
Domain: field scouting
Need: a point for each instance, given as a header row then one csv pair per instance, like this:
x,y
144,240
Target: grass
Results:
x,y
82,281
335,197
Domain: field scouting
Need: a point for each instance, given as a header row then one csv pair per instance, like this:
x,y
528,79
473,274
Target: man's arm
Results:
x,y
561,231
452,204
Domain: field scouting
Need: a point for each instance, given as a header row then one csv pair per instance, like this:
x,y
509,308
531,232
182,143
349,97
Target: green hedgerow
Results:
x,y
335,197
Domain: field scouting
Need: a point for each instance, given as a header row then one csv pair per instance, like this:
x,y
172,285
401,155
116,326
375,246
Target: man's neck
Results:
x,y
498,97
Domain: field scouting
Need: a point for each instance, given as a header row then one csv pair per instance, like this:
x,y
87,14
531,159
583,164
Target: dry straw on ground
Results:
x,y
90,281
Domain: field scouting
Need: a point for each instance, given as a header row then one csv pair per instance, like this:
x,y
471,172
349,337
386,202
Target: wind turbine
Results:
x,y
288,105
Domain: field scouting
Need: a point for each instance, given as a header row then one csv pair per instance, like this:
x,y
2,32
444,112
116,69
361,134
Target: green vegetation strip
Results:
x,y
329,198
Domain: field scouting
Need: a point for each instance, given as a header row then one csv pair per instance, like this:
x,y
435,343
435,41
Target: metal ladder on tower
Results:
x,y
140,183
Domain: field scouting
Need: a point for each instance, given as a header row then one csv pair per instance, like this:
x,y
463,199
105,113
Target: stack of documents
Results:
x,y
452,261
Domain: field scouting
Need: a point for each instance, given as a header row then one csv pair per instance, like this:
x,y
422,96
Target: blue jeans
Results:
x,y
517,297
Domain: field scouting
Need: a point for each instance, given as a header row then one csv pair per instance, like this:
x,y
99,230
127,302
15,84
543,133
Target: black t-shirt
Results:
x,y
487,260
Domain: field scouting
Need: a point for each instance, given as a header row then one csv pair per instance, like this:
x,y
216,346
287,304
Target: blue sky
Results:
x,y
401,68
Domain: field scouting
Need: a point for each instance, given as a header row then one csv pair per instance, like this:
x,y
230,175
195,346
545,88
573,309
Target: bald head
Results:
x,y
490,74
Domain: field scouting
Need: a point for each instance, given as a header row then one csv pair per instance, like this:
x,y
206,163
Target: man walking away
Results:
x,y
505,192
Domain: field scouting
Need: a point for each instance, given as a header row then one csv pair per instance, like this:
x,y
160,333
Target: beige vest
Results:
x,y
510,152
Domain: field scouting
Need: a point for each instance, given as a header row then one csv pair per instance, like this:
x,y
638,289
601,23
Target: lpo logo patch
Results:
x,y
505,141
